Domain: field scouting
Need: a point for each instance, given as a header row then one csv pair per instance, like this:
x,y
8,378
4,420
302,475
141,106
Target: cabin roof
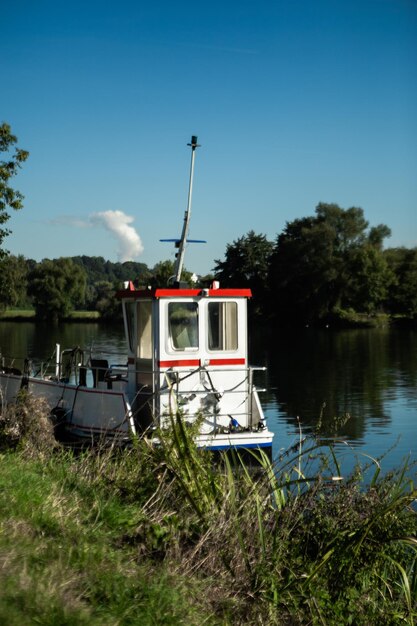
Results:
x,y
156,293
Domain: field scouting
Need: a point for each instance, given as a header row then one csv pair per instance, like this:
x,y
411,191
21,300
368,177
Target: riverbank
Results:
x,y
343,320
29,315
160,536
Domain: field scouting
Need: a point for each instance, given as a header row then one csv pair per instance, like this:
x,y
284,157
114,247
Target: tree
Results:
x,y
372,278
132,270
321,264
13,284
403,291
163,275
9,197
57,287
246,265
377,234
107,304
99,272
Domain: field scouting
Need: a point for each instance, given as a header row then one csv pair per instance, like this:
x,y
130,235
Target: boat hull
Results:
x,y
87,411
88,415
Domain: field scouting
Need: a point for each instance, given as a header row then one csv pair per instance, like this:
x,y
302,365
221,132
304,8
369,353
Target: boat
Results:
x,y
187,355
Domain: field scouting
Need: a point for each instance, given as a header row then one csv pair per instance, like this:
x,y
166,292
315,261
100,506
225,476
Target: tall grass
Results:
x,y
163,535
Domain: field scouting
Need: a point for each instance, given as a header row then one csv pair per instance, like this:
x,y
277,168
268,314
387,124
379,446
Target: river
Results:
x,y
368,377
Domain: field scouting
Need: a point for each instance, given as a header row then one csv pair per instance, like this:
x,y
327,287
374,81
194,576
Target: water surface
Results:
x,y
368,377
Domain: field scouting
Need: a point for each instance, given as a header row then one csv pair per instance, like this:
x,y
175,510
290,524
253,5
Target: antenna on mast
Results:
x,y
181,251
180,243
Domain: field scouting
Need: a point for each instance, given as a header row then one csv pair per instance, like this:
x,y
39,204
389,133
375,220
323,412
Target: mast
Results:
x,y
183,240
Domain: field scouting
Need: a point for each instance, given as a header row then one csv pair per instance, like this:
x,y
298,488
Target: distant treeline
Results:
x,y
55,288
328,268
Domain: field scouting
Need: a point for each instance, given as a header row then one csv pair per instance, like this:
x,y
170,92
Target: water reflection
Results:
x,y
26,339
369,374
320,374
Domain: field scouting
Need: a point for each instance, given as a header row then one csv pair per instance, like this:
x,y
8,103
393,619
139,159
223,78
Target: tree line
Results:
x,y
331,266
56,287
328,267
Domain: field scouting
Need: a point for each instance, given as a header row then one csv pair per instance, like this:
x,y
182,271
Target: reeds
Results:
x,y
285,543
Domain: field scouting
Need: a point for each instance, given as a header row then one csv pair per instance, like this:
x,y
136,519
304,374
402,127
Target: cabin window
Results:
x,y
130,316
144,330
183,325
222,326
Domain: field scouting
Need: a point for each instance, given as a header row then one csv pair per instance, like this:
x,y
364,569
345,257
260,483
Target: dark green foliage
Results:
x,y
104,278
370,280
9,197
13,284
328,262
163,275
352,537
99,270
246,266
402,297
56,287
106,302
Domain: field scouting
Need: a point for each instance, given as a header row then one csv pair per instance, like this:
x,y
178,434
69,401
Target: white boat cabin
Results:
x,y
188,351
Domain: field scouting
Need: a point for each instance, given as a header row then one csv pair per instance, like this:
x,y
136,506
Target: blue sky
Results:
x,y
294,103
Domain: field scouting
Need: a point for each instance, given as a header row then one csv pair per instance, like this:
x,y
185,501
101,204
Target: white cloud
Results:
x,y
69,220
119,225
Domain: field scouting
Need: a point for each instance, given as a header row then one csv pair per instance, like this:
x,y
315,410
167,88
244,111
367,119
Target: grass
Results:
x,y
83,316
66,561
17,314
29,314
162,535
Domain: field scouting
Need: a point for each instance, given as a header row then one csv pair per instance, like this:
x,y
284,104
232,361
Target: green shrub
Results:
x,y
160,534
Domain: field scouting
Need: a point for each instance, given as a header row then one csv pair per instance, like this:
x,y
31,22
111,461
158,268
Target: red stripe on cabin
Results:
x,y
197,362
183,293
226,361
180,363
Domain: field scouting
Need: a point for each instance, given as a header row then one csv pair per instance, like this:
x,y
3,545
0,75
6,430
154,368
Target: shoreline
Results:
x,y
345,323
